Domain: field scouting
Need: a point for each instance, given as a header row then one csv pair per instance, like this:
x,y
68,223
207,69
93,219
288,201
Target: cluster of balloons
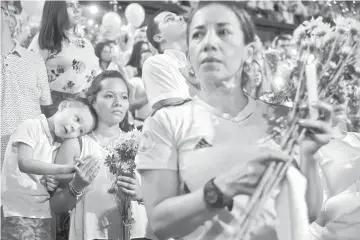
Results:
x,y
111,21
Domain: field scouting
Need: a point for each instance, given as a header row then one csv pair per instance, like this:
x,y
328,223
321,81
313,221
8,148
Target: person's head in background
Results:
x,y
253,79
283,43
166,30
109,95
141,51
220,40
58,18
103,50
73,118
140,35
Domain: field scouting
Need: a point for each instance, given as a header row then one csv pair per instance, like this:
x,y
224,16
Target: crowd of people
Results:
x,y
195,90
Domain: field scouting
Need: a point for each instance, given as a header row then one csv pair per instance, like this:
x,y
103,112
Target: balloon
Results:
x,y
135,14
111,19
33,8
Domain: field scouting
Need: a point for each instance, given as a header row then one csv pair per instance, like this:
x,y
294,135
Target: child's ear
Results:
x,y
63,105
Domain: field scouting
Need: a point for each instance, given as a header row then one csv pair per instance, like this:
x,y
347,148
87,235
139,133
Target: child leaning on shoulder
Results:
x,y
29,155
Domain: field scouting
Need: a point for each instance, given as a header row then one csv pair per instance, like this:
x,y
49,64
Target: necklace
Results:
x,y
109,146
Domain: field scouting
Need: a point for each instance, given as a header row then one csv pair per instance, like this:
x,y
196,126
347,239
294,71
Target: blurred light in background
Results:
x,y
93,9
90,22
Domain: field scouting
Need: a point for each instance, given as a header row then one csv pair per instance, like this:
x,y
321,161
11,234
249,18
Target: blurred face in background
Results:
x,y
106,54
74,11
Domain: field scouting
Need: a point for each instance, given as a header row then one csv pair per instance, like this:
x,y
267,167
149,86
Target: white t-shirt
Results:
x,y
198,143
22,194
162,77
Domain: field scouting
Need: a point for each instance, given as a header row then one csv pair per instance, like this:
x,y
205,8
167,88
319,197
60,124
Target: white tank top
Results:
x,y
96,215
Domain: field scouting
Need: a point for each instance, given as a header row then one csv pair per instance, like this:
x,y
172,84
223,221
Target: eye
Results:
x,y
69,5
170,19
125,97
197,35
108,96
223,32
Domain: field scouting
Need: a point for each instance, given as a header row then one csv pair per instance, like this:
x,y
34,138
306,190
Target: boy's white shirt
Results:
x,y
22,194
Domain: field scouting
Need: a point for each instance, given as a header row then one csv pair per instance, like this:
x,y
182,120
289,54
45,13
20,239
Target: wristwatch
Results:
x,y
215,198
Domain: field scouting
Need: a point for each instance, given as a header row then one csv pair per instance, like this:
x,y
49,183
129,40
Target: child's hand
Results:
x,y
50,182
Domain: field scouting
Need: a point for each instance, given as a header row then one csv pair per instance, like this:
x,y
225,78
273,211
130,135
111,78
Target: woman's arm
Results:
x,y
32,166
314,192
69,150
171,215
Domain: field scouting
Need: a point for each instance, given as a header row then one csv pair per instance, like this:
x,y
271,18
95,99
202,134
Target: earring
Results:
x,y
191,72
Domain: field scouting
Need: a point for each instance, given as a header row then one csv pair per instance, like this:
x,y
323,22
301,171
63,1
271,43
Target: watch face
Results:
x,y
211,196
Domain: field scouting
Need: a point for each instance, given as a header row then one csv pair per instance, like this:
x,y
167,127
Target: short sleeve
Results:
x,y
43,84
157,148
27,132
158,81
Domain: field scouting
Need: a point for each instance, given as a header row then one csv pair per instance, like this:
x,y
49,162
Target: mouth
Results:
x,y
210,60
118,112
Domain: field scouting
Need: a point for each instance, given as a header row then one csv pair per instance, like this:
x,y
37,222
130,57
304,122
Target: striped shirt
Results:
x,y
24,87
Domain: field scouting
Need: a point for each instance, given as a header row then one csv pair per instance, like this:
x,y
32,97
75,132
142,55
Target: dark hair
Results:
x,y
135,57
54,22
100,46
87,104
153,29
95,87
246,23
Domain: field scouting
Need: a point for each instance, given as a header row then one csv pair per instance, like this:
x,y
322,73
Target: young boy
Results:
x,y
29,154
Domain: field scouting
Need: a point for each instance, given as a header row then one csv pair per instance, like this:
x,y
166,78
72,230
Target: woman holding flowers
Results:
x,y
199,159
94,212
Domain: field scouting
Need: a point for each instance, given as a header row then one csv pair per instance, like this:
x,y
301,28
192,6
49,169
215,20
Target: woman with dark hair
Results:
x,y
70,60
139,103
94,212
201,159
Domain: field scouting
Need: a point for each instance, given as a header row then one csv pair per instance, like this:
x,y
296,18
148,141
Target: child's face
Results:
x,y
72,120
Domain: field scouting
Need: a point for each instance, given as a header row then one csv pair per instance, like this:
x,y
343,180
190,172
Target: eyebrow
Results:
x,y
168,15
220,24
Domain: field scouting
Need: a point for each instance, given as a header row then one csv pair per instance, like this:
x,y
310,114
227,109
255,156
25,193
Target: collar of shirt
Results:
x,y
241,116
46,127
179,55
19,50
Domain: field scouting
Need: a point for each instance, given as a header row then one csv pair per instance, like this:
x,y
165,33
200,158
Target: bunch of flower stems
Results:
x,y
276,171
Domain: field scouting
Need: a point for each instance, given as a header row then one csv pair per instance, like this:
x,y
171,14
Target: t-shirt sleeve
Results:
x,y
43,84
157,148
27,132
158,81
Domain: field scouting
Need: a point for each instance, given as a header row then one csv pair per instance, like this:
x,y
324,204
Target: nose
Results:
x,y
210,41
117,101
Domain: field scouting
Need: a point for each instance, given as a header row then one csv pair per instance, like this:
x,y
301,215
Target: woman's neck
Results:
x,y
104,65
337,133
106,131
227,98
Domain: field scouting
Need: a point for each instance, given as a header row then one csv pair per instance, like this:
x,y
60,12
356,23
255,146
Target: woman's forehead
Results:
x,y
214,14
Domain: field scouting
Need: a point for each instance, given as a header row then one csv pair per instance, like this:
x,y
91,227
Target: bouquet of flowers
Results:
x,y
328,63
121,162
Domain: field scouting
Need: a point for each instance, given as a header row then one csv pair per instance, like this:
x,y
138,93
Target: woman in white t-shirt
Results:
x,y
199,159
94,214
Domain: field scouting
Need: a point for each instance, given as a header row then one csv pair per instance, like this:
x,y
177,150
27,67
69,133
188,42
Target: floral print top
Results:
x,y
71,70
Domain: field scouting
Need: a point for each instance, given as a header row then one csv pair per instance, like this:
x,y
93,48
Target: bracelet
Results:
x,y
76,194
